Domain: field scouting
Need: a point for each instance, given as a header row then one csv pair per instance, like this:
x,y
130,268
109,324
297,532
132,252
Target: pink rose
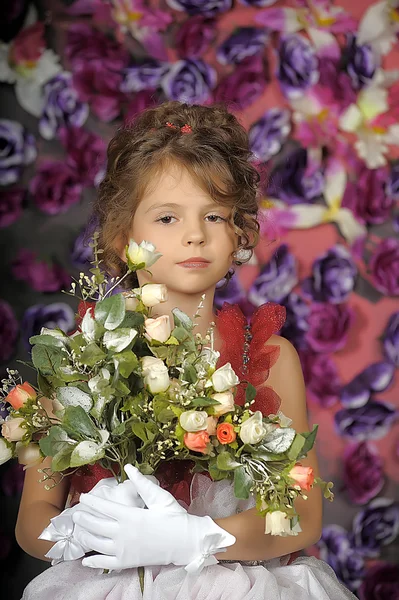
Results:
x,y
197,441
55,187
86,152
366,197
321,378
303,476
143,99
28,46
244,85
384,266
158,329
12,429
194,37
363,472
211,425
328,326
20,395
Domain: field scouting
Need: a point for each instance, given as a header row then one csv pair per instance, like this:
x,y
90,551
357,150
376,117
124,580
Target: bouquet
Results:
x,y
129,388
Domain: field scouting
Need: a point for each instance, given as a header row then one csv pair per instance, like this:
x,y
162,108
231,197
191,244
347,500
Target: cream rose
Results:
x,y
5,452
12,431
29,455
158,329
252,430
155,372
226,405
153,293
211,424
131,302
224,378
277,523
194,420
144,252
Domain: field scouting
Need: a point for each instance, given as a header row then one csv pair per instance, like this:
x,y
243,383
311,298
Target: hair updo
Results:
x,y
216,154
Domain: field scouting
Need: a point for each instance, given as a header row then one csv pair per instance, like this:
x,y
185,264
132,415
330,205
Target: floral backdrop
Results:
x,y
315,83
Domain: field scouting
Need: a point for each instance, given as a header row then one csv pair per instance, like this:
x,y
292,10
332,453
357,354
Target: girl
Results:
x,y
181,177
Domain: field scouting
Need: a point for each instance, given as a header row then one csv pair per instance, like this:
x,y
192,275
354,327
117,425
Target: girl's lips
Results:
x,y
194,264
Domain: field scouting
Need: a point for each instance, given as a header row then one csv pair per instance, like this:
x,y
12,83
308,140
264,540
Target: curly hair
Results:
x,y
216,154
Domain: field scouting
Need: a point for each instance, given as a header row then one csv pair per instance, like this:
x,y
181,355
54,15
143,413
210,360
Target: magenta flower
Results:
x,y
366,197
329,326
40,275
11,205
194,37
321,378
244,85
140,101
55,187
381,582
363,472
86,153
8,331
384,267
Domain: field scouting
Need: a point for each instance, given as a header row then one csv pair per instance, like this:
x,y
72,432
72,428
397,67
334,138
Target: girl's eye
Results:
x,y
216,218
165,220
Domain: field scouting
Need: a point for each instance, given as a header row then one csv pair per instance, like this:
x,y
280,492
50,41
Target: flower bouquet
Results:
x,y
128,388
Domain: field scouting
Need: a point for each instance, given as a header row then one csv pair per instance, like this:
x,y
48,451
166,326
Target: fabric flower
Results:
x,y
61,107
54,187
329,326
11,201
82,253
375,525
244,85
384,267
369,422
190,81
333,277
87,44
86,153
141,101
40,275
144,76
363,472
9,331
20,394
276,279
194,36
55,315
361,62
197,441
233,292
60,531
268,134
207,8
366,196
296,322
381,582
321,378
242,43
377,377
392,184
194,420
18,149
298,65
390,339
337,550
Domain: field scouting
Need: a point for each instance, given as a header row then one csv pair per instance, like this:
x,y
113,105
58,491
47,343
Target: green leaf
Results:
x,y
180,333
190,374
310,437
44,386
46,359
294,451
242,483
127,362
216,473
181,319
91,355
122,388
250,392
204,401
279,440
166,415
86,452
61,460
46,340
132,320
74,396
78,421
225,461
118,340
143,431
110,312
55,441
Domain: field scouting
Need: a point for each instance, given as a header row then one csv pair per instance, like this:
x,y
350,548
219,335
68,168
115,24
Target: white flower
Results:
x,y
29,455
153,293
131,302
5,452
277,523
194,420
224,378
98,383
158,329
89,327
142,253
252,431
61,530
156,376
226,400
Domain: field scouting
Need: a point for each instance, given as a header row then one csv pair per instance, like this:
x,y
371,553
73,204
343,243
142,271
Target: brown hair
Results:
x,y
216,154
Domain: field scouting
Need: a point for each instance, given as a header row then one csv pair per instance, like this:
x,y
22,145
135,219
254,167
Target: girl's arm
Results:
x,y
248,527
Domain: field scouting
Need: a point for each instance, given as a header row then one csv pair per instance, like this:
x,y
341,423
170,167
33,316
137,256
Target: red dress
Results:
x,y
175,476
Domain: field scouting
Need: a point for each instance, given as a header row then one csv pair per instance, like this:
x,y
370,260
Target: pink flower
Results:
x,y
39,274
28,46
20,395
197,441
384,266
321,378
244,85
363,472
303,476
328,326
194,36
143,99
366,196
11,205
86,152
55,187
12,429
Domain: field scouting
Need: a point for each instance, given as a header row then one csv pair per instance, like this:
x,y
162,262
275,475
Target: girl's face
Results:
x,y
184,222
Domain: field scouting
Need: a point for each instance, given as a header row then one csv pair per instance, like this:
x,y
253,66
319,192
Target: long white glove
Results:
x,y
62,530
132,537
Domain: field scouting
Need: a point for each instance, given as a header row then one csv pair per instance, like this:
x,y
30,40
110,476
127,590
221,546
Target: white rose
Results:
x,y
277,523
5,452
142,253
194,420
156,376
226,405
153,293
131,302
29,455
11,429
224,378
158,329
252,430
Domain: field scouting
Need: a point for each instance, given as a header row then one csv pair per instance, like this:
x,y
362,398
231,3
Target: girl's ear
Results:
x,y
120,246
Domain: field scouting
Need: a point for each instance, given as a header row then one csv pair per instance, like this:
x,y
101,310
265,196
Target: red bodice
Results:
x,y
175,476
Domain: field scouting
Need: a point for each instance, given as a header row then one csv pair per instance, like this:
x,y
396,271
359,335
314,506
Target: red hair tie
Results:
x,y
185,129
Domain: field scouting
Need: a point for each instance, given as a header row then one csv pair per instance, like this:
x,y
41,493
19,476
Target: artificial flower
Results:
x,y
224,378
225,433
20,395
193,420
252,430
197,441
12,429
158,329
226,400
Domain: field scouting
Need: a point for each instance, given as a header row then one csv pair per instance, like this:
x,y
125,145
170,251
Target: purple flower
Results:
x,y
336,550
258,3
296,325
11,205
392,184
189,81
85,44
12,480
82,253
390,339
381,582
375,378
241,44
334,88
267,135
321,378
369,422
363,472
296,180
140,101
298,65
375,525
207,8
384,267
57,314
145,76
55,188
329,327
360,61
233,293
62,106
244,85
194,37
367,198
333,277
86,153
277,278
17,149
40,275
8,331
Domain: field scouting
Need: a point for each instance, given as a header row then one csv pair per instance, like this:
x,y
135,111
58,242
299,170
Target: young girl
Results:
x,y
181,177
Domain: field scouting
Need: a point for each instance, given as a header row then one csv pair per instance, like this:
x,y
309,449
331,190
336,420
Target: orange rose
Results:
x,y
303,476
20,394
225,433
197,441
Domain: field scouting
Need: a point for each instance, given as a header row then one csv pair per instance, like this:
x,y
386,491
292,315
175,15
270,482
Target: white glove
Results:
x,y
134,537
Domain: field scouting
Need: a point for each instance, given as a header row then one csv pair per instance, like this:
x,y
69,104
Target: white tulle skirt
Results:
x,y
306,578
